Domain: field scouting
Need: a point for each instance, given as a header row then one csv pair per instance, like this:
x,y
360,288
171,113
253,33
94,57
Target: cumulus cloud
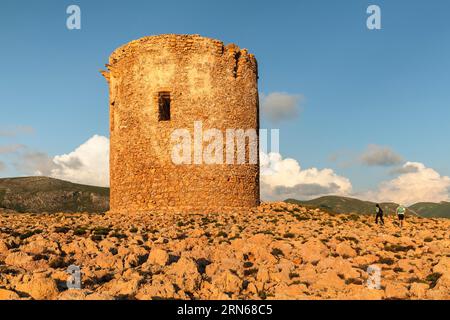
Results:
x,y
278,106
284,178
409,167
13,131
417,184
87,164
35,163
380,156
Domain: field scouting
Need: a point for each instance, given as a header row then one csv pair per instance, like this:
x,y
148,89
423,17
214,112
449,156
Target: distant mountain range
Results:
x,y
338,204
42,194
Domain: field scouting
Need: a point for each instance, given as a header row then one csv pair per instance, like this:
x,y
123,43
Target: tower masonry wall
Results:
x,y
207,82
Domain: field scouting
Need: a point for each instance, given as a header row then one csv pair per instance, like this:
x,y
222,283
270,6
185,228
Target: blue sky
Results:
x,y
361,87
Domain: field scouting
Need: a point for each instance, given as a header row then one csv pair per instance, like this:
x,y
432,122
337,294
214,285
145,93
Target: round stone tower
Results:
x,y
168,88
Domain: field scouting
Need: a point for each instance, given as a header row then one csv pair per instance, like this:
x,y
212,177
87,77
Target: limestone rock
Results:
x,y
3,247
345,250
419,290
396,291
277,251
185,274
443,266
8,295
158,256
313,251
39,287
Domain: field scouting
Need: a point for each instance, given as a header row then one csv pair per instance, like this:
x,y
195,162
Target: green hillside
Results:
x,y
42,194
338,204
430,209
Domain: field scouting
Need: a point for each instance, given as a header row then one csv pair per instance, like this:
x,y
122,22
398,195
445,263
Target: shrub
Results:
x,y
397,248
28,234
277,252
61,229
293,275
101,231
415,279
387,261
119,235
96,237
79,231
289,235
222,234
250,272
353,281
433,279
57,263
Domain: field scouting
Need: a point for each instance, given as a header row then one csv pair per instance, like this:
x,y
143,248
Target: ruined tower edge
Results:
x,y
197,79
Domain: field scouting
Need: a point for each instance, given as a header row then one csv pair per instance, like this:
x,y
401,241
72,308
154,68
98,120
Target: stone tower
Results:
x,y
159,84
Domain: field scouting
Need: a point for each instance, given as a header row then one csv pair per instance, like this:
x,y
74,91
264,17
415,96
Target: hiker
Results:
x,y
379,212
401,214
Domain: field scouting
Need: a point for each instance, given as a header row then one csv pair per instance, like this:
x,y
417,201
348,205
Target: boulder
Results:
x,y
329,280
419,290
396,291
18,259
39,287
158,256
443,266
345,250
8,295
227,282
312,251
3,247
185,274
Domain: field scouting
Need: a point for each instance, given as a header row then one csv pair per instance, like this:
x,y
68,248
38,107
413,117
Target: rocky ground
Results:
x,y
277,251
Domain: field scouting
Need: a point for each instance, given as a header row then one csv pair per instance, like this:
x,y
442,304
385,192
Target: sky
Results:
x,y
361,112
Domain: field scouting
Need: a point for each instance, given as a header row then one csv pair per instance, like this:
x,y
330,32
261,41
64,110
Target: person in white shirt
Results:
x,y
401,210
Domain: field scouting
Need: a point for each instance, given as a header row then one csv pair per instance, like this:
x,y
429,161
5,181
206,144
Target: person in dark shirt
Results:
x,y
379,215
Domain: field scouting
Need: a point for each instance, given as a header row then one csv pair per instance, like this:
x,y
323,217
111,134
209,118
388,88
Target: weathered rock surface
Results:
x,y
277,251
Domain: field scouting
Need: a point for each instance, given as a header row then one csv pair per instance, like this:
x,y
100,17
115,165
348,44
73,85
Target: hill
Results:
x,y
337,204
431,209
42,194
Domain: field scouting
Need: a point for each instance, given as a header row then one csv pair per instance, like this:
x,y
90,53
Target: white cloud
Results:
x,y
417,184
278,106
284,178
87,164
